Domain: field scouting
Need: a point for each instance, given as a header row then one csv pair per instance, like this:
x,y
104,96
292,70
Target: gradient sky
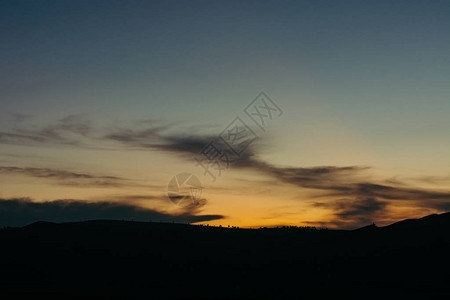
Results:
x,y
102,102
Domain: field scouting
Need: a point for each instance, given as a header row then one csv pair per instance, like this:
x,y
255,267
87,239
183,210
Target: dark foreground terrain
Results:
x,y
409,259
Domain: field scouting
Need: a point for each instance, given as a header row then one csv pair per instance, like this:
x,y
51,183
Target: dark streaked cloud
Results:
x,y
77,131
23,211
360,207
60,132
352,213
391,192
154,138
68,178
21,138
363,203
324,177
344,182
52,173
337,181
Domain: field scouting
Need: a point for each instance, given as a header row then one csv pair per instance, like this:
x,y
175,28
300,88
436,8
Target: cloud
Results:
x,y
390,192
23,211
154,138
21,138
352,213
67,177
59,133
77,131
323,177
344,182
360,207
350,183
52,173
360,204
362,200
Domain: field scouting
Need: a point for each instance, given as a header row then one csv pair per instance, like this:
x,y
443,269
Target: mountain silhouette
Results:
x,y
105,258
430,222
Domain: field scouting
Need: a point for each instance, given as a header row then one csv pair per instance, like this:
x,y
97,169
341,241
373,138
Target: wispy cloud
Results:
x,y
351,184
367,189
69,178
78,131
52,173
155,136
323,177
339,182
57,133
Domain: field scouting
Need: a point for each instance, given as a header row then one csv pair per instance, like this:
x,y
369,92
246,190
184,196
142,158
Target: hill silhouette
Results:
x,y
105,258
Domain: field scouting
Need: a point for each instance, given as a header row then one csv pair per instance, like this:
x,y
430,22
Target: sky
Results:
x,y
102,103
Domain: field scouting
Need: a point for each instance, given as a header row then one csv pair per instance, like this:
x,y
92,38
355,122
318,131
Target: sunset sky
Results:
x,y
103,102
